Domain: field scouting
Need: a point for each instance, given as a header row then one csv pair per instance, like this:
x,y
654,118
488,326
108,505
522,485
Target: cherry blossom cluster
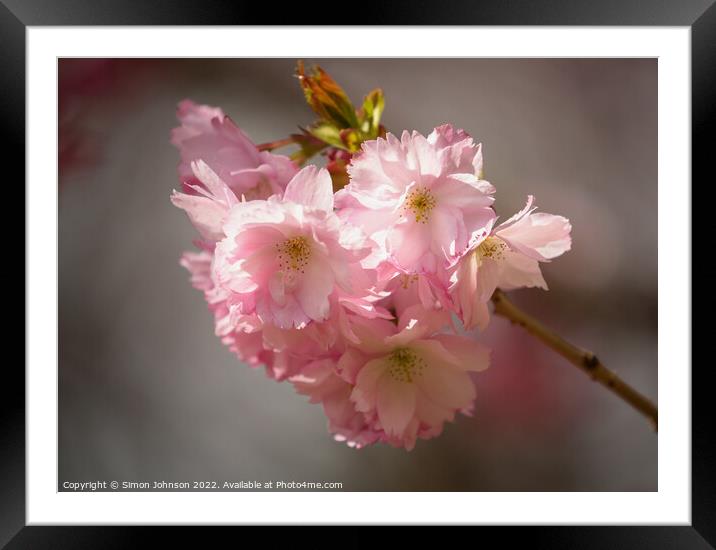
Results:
x,y
362,298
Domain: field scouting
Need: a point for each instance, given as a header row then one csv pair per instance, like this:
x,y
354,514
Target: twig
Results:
x,y
583,359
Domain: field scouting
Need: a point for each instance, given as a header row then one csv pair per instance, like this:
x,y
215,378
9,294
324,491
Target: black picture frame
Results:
x,y
16,15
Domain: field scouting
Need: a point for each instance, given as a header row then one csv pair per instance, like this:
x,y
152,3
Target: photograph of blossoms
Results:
x,y
380,274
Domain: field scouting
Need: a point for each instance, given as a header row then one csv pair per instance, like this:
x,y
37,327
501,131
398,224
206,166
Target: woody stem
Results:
x,y
585,360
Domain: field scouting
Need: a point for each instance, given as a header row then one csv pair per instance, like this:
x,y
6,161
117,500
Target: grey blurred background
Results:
x,y
147,392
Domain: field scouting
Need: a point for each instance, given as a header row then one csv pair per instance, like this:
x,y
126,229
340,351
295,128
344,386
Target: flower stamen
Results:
x,y
420,202
405,365
406,280
293,254
492,248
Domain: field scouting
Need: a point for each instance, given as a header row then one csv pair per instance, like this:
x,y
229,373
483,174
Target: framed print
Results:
x,y
420,273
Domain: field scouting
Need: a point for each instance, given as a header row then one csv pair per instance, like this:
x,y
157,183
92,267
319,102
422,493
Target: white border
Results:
x,y
671,504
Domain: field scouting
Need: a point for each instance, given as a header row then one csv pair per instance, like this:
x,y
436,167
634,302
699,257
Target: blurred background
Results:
x,y
147,392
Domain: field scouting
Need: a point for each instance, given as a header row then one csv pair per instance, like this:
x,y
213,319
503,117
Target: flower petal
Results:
x,y
408,242
315,288
447,386
311,187
205,214
472,355
520,271
364,392
395,404
540,236
488,277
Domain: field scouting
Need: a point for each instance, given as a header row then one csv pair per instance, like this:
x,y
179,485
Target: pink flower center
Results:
x,y
293,254
420,202
492,248
405,365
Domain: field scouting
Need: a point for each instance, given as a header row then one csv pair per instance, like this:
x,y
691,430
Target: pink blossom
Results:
x,y
429,290
508,257
209,204
283,353
320,381
410,379
425,195
243,338
283,258
206,133
312,292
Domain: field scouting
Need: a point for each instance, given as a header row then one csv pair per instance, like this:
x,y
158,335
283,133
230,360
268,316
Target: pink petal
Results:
x,y
488,277
315,288
253,212
540,236
520,271
311,187
277,289
372,333
434,353
408,242
425,156
350,364
255,238
195,119
199,265
214,184
431,413
472,355
467,297
480,316
447,386
204,213
395,404
261,264
286,316
448,230
365,393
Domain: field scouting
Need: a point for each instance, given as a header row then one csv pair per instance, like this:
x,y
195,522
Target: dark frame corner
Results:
x,y
700,15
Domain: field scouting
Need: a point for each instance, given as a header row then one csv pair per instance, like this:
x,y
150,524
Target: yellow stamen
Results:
x,y
407,280
491,247
293,254
420,202
405,365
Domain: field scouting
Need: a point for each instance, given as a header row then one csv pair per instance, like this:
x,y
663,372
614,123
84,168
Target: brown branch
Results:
x,y
583,359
